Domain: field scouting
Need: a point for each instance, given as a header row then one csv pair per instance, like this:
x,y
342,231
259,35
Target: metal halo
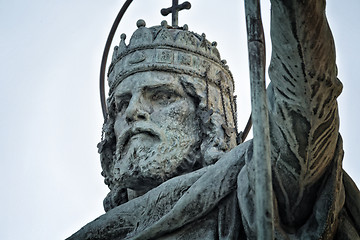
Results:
x,y
106,54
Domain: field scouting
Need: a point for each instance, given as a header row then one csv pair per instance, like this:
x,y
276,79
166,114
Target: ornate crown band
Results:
x,y
164,48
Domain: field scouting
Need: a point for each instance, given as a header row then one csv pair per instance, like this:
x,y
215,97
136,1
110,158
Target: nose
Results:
x,y
135,110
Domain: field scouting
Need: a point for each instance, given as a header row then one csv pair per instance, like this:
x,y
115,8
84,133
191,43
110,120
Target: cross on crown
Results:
x,y
175,10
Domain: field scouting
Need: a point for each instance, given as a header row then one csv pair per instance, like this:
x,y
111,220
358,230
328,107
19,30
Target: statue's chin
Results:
x,y
146,163
146,172
139,181
138,144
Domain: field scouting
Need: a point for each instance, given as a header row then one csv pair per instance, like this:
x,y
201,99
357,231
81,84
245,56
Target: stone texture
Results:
x,y
169,153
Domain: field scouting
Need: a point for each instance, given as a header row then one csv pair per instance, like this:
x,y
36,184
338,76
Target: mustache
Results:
x,y
138,128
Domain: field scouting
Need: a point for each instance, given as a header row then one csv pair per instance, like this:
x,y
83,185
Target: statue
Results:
x,y
171,156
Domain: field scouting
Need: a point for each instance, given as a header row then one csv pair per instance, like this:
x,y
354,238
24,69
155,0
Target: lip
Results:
x,y
135,130
136,133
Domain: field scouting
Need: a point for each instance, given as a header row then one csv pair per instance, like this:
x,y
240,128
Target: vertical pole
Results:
x,y
261,156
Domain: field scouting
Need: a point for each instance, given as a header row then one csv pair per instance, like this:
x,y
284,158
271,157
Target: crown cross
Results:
x,y
175,10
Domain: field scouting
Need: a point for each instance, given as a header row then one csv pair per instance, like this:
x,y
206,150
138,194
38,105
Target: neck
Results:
x,y
134,193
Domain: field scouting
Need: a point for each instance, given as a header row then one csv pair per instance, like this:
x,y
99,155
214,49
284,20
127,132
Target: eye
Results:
x,y
121,106
164,97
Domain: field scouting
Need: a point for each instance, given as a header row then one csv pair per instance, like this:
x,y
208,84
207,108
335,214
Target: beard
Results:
x,y
147,160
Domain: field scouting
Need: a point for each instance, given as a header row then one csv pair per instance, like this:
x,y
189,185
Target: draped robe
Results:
x,y
313,197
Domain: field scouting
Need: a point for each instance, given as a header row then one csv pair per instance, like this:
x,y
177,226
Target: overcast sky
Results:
x,y
50,53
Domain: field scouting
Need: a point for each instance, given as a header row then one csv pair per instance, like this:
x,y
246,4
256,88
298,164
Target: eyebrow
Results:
x,y
159,86
153,87
122,95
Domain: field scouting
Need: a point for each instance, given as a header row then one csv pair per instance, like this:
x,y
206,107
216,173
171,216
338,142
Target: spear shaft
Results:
x,y
260,119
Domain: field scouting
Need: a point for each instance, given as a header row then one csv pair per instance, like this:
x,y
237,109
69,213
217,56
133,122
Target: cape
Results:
x,y
216,202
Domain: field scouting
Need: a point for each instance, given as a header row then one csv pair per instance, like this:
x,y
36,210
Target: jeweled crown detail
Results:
x,y
169,49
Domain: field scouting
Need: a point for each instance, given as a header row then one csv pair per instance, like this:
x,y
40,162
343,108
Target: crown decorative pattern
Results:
x,y
166,48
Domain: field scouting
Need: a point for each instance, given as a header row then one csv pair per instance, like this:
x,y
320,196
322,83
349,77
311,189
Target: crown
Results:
x,y
167,48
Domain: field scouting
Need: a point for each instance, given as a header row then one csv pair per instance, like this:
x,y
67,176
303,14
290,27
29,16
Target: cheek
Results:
x,y
177,113
119,125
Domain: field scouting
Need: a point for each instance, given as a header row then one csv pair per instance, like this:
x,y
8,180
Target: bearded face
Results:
x,y
156,130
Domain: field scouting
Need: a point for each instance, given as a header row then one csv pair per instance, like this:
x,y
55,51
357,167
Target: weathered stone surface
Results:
x,y
169,154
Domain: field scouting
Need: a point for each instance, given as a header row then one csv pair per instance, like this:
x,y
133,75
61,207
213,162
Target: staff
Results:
x,y
261,156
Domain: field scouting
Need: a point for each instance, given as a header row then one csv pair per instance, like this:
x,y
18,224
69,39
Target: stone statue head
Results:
x,y
171,110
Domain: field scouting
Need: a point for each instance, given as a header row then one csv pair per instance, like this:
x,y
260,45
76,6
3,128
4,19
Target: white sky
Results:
x,y
50,53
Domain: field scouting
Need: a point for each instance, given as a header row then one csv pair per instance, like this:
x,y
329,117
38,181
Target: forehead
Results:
x,y
142,80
